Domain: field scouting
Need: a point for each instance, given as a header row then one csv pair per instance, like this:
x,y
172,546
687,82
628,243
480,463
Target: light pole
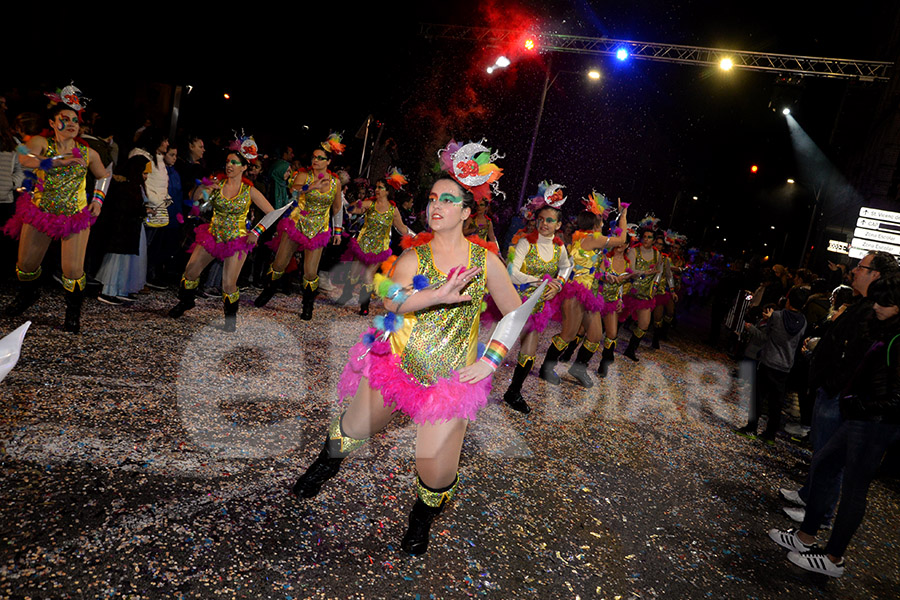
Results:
x,y
817,191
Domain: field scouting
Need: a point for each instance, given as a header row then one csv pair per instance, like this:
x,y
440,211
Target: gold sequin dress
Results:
x,y
372,245
57,206
226,233
415,369
308,223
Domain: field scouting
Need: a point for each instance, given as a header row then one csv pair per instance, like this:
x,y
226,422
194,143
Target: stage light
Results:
x,y
227,96
502,62
754,169
726,64
529,44
622,54
594,74
786,111
490,69
791,181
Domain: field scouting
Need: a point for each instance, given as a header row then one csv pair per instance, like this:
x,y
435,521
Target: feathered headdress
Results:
x,y
333,144
246,145
673,237
395,178
649,222
597,203
472,166
70,96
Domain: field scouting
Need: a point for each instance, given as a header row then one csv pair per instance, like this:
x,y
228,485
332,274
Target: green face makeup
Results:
x,y
445,197
234,162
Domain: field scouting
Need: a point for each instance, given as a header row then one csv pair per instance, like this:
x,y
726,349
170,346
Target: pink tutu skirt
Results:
x,y
444,400
591,301
56,226
289,228
220,250
354,252
538,321
662,299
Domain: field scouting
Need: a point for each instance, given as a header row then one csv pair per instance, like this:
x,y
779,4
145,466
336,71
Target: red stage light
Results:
x,y
754,169
529,44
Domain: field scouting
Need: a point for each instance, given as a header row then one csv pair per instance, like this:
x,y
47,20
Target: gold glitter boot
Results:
x,y
429,504
513,396
557,347
187,291
74,289
633,343
273,277
28,293
608,356
337,447
578,370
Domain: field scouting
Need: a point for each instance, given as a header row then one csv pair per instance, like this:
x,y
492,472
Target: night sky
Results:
x,y
648,131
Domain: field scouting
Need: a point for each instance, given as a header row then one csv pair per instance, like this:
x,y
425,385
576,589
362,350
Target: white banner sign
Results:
x,y
837,246
880,215
869,245
878,236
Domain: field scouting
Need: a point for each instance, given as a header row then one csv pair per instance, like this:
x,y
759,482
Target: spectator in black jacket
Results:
x,y
870,409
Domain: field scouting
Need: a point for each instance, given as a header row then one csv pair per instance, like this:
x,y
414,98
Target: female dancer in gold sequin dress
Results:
x,y
428,368
373,244
306,229
225,238
57,209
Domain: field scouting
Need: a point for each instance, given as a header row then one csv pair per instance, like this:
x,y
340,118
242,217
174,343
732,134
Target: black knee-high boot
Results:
x,y
608,356
74,297
273,278
429,504
578,370
310,290
346,293
365,297
337,447
657,335
557,347
187,291
27,294
230,304
513,395
566,356
633,343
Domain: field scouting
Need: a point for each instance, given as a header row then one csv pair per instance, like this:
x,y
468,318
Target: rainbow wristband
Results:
x,y
494,354
338,230
259,229
99,196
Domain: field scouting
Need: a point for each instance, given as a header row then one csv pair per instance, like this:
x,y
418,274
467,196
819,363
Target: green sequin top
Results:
x,y
436,341
64,187
584,264
229,220
643,286
316,206
375,235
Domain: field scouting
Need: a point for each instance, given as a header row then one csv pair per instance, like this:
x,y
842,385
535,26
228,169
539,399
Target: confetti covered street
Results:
x,y
152,458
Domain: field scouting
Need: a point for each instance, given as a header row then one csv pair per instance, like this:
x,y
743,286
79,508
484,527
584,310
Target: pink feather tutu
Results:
x,y
56,226
662,299
220,250
632,304
591,301
289,228
444,400
354,252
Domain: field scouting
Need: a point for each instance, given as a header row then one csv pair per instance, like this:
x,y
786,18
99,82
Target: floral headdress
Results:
x,y
70,96
395,178
597,203
549,194
246,145
471,165
333,144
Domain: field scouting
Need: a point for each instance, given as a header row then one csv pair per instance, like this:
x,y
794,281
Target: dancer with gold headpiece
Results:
x,y
317,192
422,360
57,206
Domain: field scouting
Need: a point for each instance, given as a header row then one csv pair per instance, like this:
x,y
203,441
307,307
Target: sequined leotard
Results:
x,y
226,233
311,218
415,368
372,245
58,205
642,288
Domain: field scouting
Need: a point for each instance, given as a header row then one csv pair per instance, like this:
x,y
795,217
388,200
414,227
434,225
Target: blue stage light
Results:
x,y
622,54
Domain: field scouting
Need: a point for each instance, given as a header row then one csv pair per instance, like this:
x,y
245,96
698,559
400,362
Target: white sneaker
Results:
x,y
796,429
791,496
787,538
796,514
817,562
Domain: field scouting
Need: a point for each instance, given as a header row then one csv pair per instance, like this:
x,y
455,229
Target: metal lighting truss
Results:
x,y
861,70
